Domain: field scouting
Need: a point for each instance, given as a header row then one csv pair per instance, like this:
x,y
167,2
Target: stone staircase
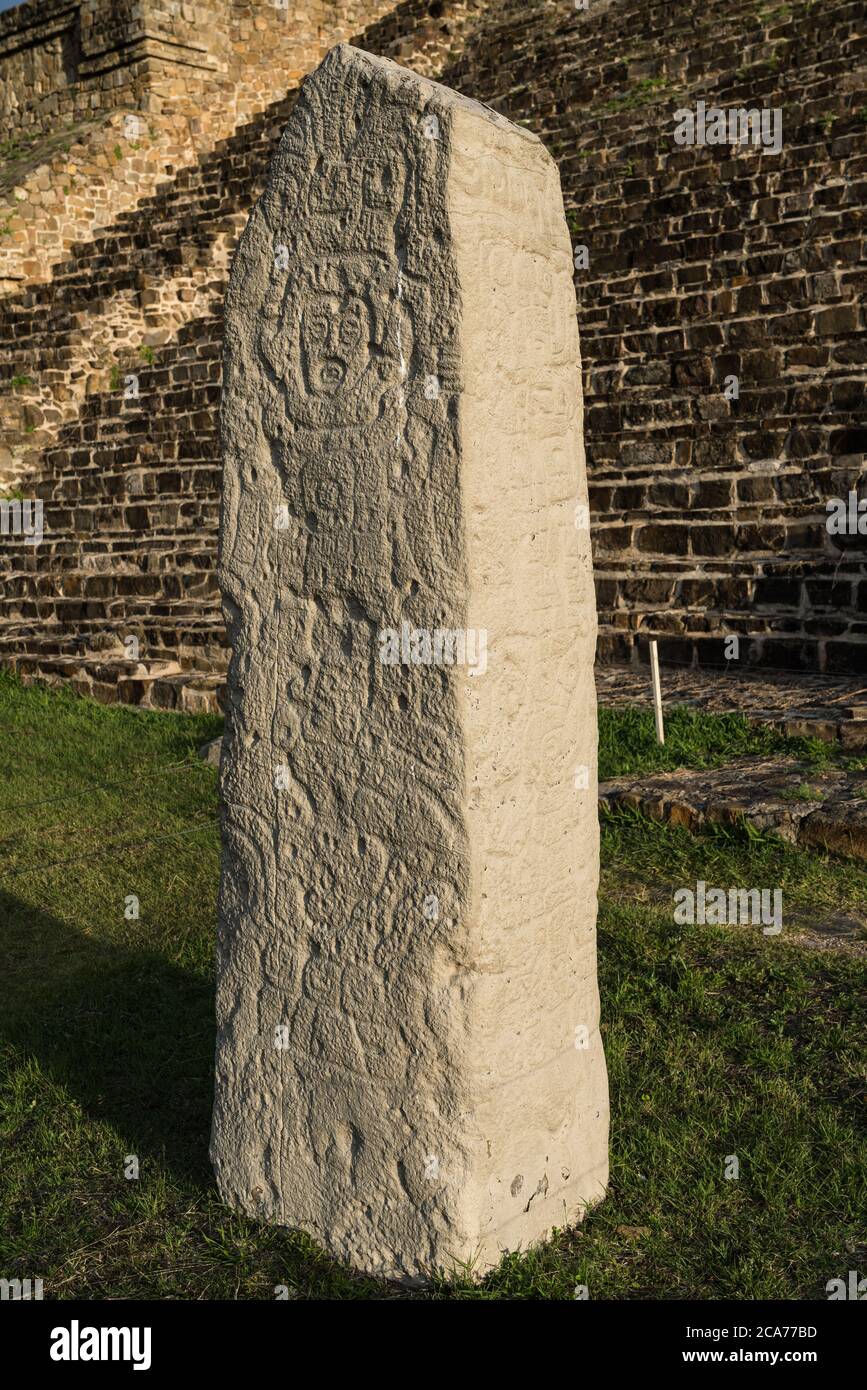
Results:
x,y
709,517
130,485
704,263
130,492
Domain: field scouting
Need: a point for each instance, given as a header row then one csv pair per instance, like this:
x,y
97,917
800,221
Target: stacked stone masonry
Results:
x,y
101,101
705,262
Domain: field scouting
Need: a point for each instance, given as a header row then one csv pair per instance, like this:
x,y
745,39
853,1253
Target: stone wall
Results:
x,y
708,262
101,101
62,61
705,262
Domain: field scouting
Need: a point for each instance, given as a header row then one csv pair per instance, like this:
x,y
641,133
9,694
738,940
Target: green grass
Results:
x,y
627,742
803,792
663,856
716,1047
718,1042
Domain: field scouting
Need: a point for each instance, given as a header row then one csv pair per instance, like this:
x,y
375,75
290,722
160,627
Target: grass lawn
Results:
x,y
627,742
719,1041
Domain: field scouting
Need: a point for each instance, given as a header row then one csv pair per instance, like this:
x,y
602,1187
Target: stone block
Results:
x,y
409,1063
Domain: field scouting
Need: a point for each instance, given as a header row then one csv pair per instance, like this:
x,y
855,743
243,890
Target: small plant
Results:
x,y
643,92
118,152
827,121
804,792
780,12
147,355
855,764
114,379
17,381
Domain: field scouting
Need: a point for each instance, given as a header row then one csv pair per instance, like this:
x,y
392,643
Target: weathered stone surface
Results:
x,y
804,805
211,751
408,1061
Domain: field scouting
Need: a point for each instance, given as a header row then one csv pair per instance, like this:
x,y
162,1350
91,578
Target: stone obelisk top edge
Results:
x,y
344,55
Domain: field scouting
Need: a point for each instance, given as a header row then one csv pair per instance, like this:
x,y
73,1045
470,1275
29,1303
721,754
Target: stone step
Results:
x,y
150,685
74,555
65,574
130,602
824,809
188,643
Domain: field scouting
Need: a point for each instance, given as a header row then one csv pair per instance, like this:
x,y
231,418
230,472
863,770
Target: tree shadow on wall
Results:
x,y
127,1033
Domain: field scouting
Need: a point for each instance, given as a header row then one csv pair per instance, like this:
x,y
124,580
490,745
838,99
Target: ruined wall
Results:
x,y
103,100
61,61
65,60
704,262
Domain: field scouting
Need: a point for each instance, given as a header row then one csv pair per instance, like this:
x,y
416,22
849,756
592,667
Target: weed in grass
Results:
x,y
803,792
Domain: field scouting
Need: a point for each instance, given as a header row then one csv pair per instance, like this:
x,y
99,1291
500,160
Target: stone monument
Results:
x,y
409,1063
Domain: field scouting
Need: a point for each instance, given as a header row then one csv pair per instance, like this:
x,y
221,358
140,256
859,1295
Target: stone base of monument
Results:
x,y
409,1064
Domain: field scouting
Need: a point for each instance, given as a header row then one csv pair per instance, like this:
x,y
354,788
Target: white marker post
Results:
x,y
657,692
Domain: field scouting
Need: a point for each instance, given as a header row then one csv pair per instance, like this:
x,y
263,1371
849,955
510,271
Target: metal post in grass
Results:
x,y
657,692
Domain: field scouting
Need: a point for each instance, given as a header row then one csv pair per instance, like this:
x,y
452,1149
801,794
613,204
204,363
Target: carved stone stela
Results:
x,y
408,1058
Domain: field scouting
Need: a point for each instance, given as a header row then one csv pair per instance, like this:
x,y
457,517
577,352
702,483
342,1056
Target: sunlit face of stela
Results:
x,y
335,343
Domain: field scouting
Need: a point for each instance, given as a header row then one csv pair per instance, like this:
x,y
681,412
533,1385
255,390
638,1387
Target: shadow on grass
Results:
x,y
130,1035
130,1038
